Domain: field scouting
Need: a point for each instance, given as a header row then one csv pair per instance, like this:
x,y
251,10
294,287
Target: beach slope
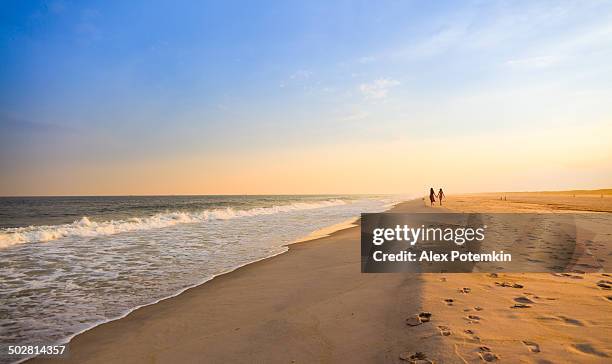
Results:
x,y
310,304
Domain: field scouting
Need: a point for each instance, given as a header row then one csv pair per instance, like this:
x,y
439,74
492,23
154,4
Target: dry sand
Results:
x,y
312,305
568,318
532,202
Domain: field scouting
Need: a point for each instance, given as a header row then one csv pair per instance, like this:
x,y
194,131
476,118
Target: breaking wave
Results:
x,y
87,228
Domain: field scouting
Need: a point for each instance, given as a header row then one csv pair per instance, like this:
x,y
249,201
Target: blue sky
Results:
x,y
107,83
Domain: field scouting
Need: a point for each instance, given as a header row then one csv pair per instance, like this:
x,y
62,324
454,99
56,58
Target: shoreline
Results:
x,y
312,304
129,311
321,233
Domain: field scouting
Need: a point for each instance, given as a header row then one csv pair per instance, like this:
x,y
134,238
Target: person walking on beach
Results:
x,y
432,196
441,196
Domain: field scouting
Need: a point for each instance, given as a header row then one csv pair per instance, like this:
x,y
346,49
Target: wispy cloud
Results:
x,y
534,62
529,31
301,75
577,45
434,44
377,89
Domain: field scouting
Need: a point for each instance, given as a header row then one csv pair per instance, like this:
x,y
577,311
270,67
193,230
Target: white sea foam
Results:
x,y
87,228
68,284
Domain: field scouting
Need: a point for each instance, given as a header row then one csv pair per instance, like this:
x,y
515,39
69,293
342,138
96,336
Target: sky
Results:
x,y
291,97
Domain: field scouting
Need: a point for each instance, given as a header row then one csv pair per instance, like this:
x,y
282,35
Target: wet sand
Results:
x,y
312,305
308,305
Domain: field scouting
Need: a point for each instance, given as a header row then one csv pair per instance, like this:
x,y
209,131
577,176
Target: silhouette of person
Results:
x,y
432,196
441,196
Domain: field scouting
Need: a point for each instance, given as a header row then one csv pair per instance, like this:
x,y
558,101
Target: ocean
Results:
x,y
68,264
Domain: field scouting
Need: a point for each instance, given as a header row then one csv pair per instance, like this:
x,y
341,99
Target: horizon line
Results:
x,y
303,194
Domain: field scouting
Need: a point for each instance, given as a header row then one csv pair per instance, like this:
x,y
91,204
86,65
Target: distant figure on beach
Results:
x,y
441,196
432,196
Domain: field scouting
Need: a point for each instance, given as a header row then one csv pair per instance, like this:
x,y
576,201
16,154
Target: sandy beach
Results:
x,y
568,318
312,304
306,182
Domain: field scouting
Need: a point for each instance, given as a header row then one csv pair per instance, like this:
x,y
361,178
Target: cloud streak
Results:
x,y
377,89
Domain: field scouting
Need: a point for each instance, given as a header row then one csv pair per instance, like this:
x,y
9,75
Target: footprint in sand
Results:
x,y
464,290
473,319
532,346
449,301
589,349
486,354
417,320
522,299
444,330
425,316
415,358
520,305
572,276
414,321
571,321
565,319
508,284
604,284
472,335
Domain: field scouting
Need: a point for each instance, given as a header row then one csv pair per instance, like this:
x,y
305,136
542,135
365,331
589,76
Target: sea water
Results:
x,y
70,263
